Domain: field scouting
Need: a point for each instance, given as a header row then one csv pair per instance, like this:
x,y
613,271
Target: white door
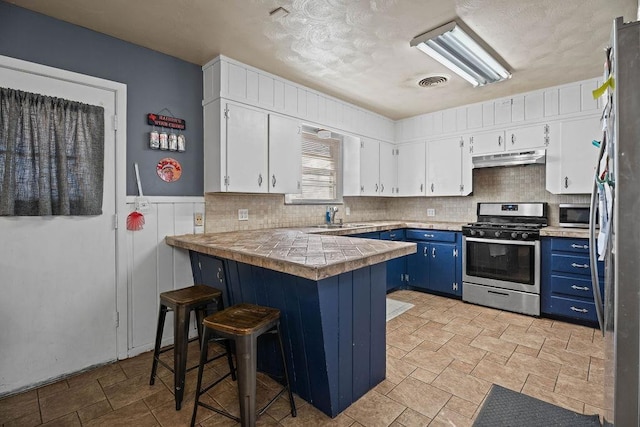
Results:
x,y
487,142
411,169
528,137
58,274
285,155
247,149
369,167
388,169
444,167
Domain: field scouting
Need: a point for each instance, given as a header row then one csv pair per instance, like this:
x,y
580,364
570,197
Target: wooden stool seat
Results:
x,y
243,319
243,324
182,302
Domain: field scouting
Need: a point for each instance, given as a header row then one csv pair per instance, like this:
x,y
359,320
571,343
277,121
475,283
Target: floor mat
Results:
x,y
396,308
504,407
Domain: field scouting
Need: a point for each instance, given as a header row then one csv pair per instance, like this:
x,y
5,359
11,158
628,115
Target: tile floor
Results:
x,y
442,357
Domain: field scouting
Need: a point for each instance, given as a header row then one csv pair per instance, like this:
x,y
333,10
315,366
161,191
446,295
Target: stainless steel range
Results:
x,y
501,256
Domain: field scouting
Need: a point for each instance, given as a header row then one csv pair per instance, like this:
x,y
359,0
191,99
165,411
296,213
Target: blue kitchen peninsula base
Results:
x,y
334,328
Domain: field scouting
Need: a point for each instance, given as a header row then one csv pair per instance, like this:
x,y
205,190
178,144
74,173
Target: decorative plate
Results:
x,y
169,169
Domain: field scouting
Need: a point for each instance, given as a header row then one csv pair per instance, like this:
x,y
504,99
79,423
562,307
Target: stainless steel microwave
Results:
x,y
574,215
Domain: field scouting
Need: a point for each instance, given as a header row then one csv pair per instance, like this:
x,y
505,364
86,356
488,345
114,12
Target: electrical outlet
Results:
x,y
431,212
198,219
347,210
243,214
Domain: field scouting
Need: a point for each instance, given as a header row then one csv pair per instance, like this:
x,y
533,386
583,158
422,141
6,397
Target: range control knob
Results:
x,y
498,233
525,235
472,232
481,233
514,235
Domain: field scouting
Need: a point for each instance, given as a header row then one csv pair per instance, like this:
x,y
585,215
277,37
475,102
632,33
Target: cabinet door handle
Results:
x,y
425,251
432,187
362,188
376,188
433,252
259,180
273,180
499,140
574,246
566,182
513,138
219,275
392,236
382,188
579,310
574,265
421,187
580,288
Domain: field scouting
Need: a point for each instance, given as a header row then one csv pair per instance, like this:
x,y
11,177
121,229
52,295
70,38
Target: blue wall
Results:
x,y
154,81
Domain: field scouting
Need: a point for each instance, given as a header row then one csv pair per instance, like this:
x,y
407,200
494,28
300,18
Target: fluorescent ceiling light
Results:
x,y
456,50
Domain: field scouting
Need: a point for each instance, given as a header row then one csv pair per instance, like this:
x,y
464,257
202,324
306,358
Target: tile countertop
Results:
x,y
297,252
315,252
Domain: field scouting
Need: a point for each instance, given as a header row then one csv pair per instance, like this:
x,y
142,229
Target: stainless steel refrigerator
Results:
x,y
617,194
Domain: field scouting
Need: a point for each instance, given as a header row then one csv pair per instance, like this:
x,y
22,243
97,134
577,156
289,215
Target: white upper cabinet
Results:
x,y
285,155
247,149
350,166
388,169
369,167
528,137
571,163
444,167
487,142
411,169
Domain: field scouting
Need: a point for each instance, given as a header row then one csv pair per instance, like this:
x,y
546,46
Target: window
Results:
x,y
321,169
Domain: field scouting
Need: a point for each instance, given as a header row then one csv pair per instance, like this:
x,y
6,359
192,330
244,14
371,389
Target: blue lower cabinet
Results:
x,y
566,288
437,265
396,268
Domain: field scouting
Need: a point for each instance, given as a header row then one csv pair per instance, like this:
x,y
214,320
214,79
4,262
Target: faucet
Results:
x,y
333,210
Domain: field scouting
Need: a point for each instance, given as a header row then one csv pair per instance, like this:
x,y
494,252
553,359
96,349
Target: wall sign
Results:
x,y
166,121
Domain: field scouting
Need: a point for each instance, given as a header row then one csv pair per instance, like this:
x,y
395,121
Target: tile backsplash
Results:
x,y
500,184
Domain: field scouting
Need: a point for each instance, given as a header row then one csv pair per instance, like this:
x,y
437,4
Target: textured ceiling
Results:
x,y
358,50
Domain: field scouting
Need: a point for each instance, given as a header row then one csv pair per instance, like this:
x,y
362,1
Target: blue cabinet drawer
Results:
x,y
574,286
392,235
579,246
573,308
431,235
574,264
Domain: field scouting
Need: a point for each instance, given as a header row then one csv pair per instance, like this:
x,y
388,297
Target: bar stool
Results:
x,y
182,302
243,323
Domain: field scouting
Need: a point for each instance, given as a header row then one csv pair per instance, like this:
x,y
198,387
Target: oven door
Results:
x,y
506,264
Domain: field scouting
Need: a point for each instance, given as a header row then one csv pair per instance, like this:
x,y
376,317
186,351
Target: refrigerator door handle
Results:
x,y
593,246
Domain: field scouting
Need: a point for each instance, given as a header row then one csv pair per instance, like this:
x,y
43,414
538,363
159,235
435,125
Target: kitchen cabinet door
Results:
x,y
285,155
369,167
487,142
418,266
247,149
411,169
442,269
396,268
444,167
528,137
571,163
388,176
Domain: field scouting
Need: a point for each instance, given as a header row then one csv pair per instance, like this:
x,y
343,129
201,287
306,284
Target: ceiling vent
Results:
x,y
433,81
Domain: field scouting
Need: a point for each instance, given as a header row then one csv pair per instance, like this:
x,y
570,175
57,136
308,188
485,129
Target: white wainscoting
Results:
x,y
154,267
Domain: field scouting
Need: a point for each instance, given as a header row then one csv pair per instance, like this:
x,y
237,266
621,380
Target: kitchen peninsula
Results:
x,y
331,293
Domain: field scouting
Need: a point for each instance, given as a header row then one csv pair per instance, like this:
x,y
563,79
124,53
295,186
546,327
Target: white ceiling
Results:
x,y
358,50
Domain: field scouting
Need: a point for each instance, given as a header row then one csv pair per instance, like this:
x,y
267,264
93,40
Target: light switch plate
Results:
x,y
243,214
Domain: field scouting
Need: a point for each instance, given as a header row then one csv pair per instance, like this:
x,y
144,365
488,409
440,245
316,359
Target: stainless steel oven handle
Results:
x,y
503,242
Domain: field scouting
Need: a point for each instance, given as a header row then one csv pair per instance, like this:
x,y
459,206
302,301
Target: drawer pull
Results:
x,y
574,246
574,265
579,310
429,235
580,288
